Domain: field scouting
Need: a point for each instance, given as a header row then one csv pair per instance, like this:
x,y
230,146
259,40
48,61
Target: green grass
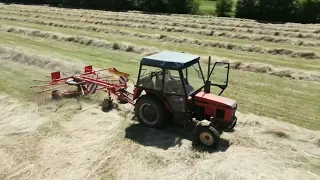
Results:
x,y
281,98
16,80
208,7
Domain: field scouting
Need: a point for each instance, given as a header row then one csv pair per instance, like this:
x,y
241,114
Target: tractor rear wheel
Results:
x,y
208,136
151,112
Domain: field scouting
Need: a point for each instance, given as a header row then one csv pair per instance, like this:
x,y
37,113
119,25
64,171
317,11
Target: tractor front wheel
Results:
x,y
151,112
208,136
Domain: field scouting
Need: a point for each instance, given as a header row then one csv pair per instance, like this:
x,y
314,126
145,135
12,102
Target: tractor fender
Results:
x,y
203,123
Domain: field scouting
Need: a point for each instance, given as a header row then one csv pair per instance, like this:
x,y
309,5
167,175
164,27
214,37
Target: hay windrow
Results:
x,y
238,65
270,70
49,63
175,17
212,31
278,133
31,59
229,46
190,22
121,46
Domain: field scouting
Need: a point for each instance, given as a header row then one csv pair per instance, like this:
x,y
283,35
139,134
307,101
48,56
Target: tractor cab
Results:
x,y
175,86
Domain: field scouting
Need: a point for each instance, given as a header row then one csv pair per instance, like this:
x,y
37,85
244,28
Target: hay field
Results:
x,y
275,78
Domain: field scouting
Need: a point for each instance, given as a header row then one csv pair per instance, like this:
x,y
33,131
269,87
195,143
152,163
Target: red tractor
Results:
x,y
163,93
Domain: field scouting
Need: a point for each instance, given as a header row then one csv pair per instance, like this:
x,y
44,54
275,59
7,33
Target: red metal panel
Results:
x,y
214,99
87,69
55,75
210,111
136,93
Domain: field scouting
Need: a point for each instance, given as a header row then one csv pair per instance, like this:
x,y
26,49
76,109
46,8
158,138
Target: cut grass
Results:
x,y
259,29
275,34
295,27
173,39
92,144
16,80
277,61
255,93
123,46
129,47
262,43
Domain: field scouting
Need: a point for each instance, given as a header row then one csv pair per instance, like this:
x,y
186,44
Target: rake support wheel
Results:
x,y
55,94
107,104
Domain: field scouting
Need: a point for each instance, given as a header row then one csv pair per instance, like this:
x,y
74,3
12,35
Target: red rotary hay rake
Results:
x,y
88,82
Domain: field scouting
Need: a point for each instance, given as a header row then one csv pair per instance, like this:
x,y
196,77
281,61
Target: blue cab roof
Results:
x,y
170,60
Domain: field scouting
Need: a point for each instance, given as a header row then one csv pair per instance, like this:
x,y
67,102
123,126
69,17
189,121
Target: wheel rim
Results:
x,y
206,138
148,114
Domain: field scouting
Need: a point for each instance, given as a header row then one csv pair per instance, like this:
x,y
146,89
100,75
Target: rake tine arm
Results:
x,y
65,90
53,88
43,85
37,80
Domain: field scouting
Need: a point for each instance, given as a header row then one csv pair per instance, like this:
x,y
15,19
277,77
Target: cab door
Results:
x,y
218,77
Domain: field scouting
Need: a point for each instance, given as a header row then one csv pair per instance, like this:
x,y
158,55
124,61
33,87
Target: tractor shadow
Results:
x,y
167,138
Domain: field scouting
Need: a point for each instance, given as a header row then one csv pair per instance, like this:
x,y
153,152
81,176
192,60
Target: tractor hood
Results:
x,y
214,99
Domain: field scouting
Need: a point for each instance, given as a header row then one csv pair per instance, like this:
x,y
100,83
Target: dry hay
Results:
x,y
270,70
121,46
176,17
58,65
56,148
278,132
176,27
146,50
90,144
193,22
31,59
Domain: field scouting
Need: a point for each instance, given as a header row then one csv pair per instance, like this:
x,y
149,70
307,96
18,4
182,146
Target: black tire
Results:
x,y
107,104
207,136
151,112
55,94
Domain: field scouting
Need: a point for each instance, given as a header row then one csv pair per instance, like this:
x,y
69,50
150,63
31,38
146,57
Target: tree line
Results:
x,y
303,11
160,6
